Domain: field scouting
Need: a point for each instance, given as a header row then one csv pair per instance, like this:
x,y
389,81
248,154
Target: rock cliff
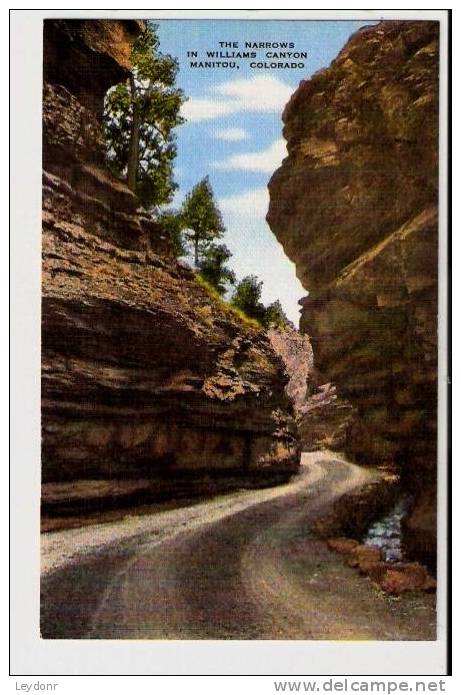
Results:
x,y
355,207
322,417
144,375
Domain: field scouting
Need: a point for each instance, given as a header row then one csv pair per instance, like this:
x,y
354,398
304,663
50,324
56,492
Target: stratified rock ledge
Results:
x,y
145,377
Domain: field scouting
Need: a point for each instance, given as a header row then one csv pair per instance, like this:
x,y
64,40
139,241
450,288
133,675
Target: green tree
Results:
x,y
172,221
275,316
247,297
139,117
213,267
202,218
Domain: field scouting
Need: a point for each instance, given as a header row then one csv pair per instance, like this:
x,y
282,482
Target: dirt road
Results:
x,y
243,566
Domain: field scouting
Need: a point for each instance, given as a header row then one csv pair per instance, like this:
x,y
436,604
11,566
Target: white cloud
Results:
x,y
201,109
262,93
256,251
251,203
265,161
231,134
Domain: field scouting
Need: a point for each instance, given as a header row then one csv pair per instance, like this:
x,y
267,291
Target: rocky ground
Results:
x,y
65,546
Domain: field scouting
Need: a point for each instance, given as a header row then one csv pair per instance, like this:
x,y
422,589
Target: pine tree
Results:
x,y
139,117
202,218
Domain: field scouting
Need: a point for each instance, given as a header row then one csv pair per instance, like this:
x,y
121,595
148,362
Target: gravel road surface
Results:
x,y
242,566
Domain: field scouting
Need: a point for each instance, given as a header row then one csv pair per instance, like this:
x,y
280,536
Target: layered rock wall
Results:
x,y
355,207
144,375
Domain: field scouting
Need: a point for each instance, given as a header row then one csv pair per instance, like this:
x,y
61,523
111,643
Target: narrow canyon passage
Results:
x,y
234,573
153,384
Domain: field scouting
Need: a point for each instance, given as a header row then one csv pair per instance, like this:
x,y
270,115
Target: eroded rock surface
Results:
x,y
322,417
144,375
355,207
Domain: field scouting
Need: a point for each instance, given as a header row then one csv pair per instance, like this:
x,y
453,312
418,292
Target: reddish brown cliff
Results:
x,y
354,206
144,375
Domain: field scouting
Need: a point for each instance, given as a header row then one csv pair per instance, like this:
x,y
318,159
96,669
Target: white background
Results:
x,y
33,656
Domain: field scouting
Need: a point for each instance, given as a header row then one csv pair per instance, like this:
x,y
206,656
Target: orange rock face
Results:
x,y
355,207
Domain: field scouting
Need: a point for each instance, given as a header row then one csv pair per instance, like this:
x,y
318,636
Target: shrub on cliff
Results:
x,y
275,316
247,298
214,270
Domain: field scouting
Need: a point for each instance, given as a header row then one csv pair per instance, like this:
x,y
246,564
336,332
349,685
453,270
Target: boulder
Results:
x,y
405,577
363,554
342,545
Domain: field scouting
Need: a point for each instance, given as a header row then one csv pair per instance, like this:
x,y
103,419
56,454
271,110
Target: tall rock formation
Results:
x,y
144,375
355,207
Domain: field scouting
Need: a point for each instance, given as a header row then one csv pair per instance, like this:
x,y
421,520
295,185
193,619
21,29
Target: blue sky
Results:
x,y
233,131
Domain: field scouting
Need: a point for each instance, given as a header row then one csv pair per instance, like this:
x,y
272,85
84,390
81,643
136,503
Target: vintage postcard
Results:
x,y
243,316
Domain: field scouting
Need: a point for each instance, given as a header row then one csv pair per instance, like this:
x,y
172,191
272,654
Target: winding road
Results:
x,y
244,566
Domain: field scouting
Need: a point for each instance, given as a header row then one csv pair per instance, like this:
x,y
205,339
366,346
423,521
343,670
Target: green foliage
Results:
x,y
199,223
275,316
139,118
172,221
224,306
247,298
213,267
202,218
212,291
245,304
